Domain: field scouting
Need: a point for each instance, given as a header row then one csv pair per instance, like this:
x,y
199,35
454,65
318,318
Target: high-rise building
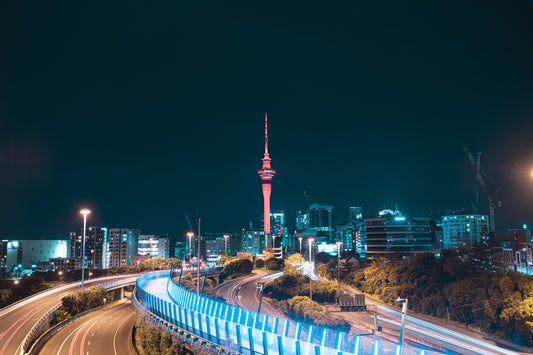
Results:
x,y
346,234
155,245
302,220
96,247
277,226
356,215
266,174
252,241
463,230
180,250
358,239
123,244
393,233
321,221
3,258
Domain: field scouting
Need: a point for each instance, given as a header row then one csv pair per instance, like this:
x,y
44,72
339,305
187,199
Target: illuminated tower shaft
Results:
x,y
266,174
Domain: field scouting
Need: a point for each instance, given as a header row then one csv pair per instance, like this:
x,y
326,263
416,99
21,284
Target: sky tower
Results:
x,y
266,174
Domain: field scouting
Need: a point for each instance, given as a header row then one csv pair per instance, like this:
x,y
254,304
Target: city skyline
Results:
x,y
158,113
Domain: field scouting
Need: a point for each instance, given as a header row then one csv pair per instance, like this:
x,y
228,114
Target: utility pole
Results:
x,y
198,266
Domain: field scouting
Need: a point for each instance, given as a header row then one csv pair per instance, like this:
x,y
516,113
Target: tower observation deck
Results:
x,y
266,174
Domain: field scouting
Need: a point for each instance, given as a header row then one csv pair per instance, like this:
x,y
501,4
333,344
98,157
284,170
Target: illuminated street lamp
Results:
x,y
339,262
84,212
404,313
310,241
226,243
190,234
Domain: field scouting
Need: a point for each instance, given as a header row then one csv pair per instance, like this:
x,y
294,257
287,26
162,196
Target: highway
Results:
x,y
441,335
242,292
18,319
107,331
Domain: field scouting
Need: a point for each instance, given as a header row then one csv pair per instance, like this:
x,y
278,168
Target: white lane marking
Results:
x,y
116,331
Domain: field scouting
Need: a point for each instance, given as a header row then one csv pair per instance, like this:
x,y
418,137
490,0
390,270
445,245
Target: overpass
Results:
x,y
216,324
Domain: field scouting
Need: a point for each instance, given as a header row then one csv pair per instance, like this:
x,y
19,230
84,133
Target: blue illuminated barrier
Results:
x,y
248,332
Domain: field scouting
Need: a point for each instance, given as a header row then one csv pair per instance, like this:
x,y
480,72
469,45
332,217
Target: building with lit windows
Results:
x,y
180,250
96,239
277,226
123,244
346,235
252,241
3,258
463,230
302,220
393,233
155,245
321,222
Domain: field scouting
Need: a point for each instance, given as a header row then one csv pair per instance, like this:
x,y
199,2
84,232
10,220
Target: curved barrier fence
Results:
x,y
248,332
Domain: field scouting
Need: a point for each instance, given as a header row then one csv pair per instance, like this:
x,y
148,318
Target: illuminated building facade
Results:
x,y
96,247
155,245
3,257
252,241
302,220
123,244
277,226
321,222
463,230
393,233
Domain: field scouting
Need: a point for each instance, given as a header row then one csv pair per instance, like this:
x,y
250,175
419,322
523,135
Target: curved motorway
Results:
x,y
107,331
17,320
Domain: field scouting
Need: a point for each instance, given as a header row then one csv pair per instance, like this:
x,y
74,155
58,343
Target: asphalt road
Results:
x,y
15,323
107,331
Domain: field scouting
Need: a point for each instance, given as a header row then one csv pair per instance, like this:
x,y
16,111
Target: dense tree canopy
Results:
x,y
465,286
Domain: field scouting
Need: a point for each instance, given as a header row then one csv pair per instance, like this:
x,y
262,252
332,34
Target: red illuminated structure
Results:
x,y
266,174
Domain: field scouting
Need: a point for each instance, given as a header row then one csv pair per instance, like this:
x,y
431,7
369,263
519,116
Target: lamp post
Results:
x,y
190,234
300,239
310,241
339,263
84,212
404,313
226,243
273,242
198,272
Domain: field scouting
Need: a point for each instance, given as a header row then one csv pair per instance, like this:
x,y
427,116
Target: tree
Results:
x,y
295,259
275,264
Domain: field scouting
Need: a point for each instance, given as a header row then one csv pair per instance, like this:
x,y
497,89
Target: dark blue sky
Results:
x,y
144,111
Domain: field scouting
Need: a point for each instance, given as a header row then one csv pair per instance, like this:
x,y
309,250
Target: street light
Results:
x,y
404,312
310,241
84,212
190,234
226,243
273,242
339,263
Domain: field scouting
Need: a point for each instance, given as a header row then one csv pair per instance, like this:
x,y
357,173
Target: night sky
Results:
x,y
144,111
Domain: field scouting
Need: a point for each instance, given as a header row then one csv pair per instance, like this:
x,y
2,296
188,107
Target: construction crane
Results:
x,y
494,203
307,199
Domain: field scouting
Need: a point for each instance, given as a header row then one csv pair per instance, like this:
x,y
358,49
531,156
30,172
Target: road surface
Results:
x,y
108,331
17,321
